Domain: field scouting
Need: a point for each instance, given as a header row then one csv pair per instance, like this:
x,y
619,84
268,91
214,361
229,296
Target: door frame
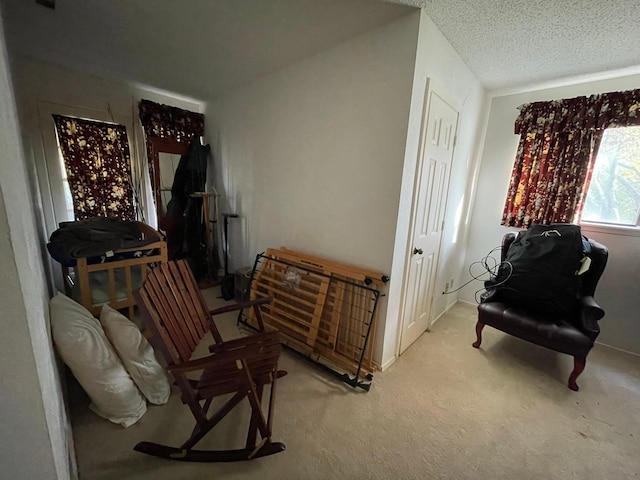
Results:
x,y
430,86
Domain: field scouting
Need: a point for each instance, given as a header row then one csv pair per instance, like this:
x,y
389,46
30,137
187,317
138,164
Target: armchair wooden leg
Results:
x,y
578,366
479,327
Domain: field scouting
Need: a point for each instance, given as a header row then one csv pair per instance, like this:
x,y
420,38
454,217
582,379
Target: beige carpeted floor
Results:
x,y
444,410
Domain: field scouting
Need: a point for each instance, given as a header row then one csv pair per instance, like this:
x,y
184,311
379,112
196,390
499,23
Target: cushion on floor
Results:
x,y
84,347
137,355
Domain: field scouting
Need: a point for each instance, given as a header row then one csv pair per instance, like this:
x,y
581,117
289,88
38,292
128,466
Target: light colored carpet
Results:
x,y
444,410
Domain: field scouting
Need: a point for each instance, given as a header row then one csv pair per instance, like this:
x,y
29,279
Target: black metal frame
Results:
x,y
354,379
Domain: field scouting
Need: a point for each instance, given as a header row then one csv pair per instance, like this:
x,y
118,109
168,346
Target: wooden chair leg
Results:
x,y
258,315
272,399
578,366
253,424
201,430
256,407
479,327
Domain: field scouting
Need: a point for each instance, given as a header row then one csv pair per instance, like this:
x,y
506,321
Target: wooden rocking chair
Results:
x,y
177,318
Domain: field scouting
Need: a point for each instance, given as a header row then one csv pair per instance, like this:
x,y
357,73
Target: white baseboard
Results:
x,y
619,349
440,316
388,363
467,302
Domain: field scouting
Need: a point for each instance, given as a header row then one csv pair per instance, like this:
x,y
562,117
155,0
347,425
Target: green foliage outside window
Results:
x,y
614,192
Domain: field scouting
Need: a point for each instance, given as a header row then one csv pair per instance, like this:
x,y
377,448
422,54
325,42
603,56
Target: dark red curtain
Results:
x,y
98,166
558,144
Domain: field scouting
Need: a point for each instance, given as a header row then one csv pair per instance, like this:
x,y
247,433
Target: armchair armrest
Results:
x,y
590,313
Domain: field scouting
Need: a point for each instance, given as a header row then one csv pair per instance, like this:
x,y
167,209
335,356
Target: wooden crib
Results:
x,y
114,280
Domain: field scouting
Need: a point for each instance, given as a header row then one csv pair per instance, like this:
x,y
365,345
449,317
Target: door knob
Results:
x,y
417,250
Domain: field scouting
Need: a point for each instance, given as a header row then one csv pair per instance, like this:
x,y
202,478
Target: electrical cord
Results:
x,y
489,265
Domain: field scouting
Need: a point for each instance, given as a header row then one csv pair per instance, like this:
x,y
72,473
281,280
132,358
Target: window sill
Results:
x,y
624,230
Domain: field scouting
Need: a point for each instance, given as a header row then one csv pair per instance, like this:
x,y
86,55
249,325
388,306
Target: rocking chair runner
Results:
x,y
177,317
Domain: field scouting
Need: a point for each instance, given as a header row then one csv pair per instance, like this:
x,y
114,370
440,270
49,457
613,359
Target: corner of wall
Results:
x,y
436,59
36,421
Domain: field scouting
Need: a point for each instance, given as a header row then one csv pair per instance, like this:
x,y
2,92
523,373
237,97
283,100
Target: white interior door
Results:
x,y
430,196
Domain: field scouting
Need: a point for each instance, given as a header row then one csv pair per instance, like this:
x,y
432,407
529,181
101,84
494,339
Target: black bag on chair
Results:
x,y
542,268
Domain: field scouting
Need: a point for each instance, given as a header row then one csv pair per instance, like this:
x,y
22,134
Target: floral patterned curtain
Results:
x,y
164,121
98,166
557,149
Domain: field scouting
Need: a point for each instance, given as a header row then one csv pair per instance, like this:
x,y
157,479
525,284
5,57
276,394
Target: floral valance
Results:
x,y
98,167
596,112
166,121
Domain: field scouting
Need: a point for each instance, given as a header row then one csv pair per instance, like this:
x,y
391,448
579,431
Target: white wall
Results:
x,y
617,290
311,156
26,266
35,429
436,59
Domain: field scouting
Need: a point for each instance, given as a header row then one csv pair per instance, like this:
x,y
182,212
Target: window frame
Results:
x,y
610,227
50,173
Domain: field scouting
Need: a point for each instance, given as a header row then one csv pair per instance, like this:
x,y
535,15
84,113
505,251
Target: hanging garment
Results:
x,y
190,177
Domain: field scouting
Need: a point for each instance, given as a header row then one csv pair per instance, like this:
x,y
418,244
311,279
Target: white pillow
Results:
x,y
137,355
82,344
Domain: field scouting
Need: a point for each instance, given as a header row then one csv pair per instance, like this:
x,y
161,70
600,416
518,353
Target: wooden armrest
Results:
x,y
240,305
271,337
191,365
239,349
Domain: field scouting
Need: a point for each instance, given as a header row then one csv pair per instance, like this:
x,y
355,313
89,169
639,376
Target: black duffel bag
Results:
x,y
541,269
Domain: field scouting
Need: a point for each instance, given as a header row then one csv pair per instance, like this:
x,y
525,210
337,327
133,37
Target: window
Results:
x,y
614,193
68,198
577,158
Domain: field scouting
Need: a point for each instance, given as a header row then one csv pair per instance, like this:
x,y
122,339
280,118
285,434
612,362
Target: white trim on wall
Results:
x,y
567,81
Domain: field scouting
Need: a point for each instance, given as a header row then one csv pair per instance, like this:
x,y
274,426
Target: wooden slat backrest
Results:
x,y
193,299
181,304
260,351
157,333
172,302
161,313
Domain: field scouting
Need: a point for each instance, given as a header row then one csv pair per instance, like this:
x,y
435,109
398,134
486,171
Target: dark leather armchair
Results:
x,y
573,334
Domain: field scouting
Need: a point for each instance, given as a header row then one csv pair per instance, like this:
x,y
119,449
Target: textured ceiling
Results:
x,y
204,48
513,43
